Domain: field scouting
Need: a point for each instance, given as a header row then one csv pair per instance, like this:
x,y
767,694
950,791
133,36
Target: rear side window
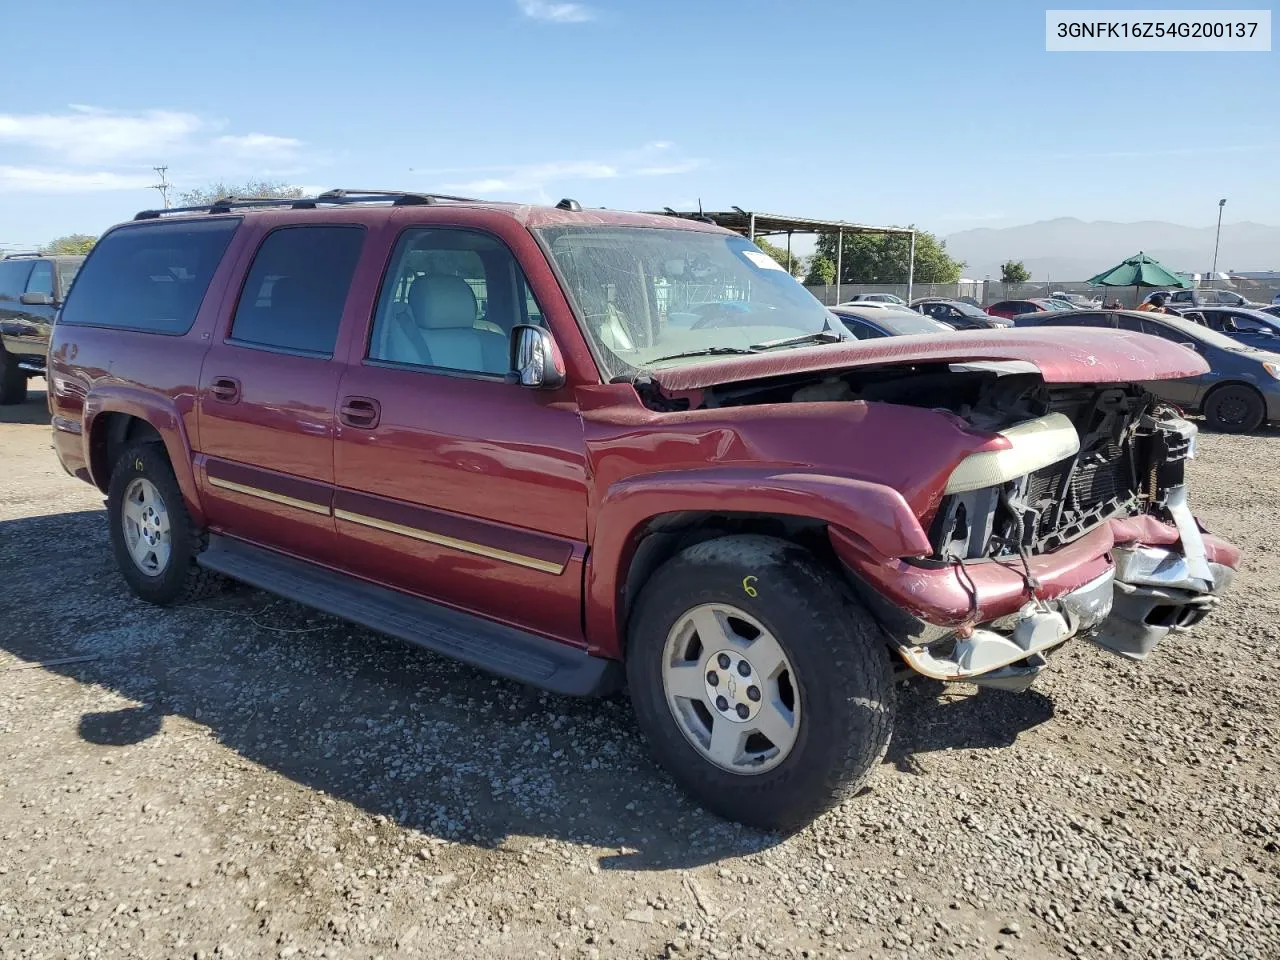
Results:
x,y
151,277
13,278
297,288
41,279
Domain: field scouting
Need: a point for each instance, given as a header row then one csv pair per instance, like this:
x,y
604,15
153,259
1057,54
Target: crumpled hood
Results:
x,y
1062,355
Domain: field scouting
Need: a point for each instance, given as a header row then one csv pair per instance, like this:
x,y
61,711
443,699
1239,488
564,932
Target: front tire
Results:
x,y
152,534
1235,408
13,380
761,686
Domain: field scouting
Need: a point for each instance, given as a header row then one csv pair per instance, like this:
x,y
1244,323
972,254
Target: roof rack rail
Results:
x,y
24,253
397,198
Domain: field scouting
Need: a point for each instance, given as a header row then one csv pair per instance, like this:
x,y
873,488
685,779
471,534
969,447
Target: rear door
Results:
x,y
268,387
454,482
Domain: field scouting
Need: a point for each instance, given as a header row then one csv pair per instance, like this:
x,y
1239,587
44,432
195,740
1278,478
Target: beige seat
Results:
x,y
440,328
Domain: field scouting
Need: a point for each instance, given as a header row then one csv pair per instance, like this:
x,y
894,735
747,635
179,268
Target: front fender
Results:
x,y
872,515
162,414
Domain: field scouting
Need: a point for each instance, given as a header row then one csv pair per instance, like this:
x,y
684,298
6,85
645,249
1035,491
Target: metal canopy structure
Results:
x,y
752,224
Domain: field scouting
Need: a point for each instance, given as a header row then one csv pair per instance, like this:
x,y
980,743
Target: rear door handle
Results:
x,y
225,389
362,412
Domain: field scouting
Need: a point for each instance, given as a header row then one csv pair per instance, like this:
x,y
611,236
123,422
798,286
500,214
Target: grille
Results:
x,y
1063,504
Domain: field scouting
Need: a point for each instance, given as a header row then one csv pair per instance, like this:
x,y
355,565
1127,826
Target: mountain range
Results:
x,y
1070,249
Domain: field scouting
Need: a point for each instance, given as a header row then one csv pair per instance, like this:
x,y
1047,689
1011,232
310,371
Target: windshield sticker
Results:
x,y
762,260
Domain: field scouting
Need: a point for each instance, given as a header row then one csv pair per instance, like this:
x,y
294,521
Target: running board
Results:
x,y
494,647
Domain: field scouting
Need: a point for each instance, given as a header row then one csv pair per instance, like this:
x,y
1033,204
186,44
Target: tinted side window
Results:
x,y
297,288
13,278
449,300
1083,320
150,277
41,279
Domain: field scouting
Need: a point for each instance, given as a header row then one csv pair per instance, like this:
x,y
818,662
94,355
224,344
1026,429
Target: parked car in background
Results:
x,y
959,314
1057,304
1196,297
465,424
874,324
875,298
1241,389
1078,301
32,287
1254,327
1014,308
1273,311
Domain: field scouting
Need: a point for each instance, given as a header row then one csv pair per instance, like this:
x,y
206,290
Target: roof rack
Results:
x,y
397,198
19,256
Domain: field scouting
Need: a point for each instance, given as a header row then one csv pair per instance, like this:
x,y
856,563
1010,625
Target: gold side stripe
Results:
x,y
268,495
466,546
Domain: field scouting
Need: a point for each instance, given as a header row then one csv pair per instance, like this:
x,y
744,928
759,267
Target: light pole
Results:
x,y
1213,274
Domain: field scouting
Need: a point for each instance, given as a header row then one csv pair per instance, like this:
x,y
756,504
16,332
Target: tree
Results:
x,y
253,189
885,258
779,254
822,271
1012,271
72,245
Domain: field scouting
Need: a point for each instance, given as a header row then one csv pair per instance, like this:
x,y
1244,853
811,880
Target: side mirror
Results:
x,y
36,299
535,358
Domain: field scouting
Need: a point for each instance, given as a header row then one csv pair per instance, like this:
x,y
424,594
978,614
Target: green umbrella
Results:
x,y
1137,271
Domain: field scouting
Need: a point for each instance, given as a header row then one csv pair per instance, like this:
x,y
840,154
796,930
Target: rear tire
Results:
x,y
802,649
152,534
1235,408
13,380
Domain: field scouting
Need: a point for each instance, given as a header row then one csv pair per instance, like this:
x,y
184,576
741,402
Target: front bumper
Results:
x,y
1126,586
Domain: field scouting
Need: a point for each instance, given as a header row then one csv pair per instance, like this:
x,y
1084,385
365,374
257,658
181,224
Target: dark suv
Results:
x,y
32,287
582,448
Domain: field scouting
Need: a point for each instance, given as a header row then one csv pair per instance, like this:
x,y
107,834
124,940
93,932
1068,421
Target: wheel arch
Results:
x,y
642,522
114,420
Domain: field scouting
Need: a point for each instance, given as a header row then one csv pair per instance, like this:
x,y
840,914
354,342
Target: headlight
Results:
x,y
1272,368
1033,444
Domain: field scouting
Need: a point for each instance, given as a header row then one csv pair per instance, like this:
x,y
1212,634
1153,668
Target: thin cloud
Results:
x,y
86,148
534,178
261,146
37,180
556,12
89,135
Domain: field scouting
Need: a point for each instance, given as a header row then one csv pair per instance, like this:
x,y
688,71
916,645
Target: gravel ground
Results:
x,y
246,778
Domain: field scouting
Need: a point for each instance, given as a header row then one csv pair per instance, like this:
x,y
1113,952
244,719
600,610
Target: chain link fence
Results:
x,y
986,292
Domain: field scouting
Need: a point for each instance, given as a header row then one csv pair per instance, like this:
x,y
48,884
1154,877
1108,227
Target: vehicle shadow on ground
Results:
x,y
34,410
426,742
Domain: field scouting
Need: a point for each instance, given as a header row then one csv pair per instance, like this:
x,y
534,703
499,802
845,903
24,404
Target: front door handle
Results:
x,y
225,389
362,412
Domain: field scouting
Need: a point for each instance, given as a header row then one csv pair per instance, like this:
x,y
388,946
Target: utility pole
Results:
x,y
1213,274
164,185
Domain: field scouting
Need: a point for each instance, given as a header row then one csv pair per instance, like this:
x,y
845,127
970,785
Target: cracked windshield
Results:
x,y
652,297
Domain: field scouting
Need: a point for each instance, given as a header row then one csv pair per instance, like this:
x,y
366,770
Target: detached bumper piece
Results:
x,y
1008,654
1156,595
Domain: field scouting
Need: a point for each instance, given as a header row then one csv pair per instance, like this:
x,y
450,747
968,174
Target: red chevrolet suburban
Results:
x,y
583,448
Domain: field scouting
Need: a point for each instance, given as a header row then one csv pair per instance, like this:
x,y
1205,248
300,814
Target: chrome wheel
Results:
x,y
146,526
731,688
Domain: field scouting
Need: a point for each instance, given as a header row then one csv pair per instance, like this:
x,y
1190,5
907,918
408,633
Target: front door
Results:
x,y
1185,391
454,483
267,393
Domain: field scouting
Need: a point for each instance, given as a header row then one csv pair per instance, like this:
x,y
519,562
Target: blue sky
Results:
x,y
941,114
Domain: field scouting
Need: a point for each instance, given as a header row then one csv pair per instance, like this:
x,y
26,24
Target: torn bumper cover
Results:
x,y
1125,585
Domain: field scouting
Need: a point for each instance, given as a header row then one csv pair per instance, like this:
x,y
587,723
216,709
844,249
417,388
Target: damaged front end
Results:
x,y
1077,524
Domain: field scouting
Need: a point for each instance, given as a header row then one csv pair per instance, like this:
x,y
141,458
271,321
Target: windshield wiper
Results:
x,y
707,352
822,336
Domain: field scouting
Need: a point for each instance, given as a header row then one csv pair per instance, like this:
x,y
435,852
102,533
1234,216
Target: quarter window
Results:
x,y
297,288
41,279
449,300
150,277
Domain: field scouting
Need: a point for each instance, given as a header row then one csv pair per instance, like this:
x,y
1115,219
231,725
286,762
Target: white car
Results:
x,y
874,298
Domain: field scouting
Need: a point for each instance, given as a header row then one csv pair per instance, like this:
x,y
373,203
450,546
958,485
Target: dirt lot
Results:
x,y
244,778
